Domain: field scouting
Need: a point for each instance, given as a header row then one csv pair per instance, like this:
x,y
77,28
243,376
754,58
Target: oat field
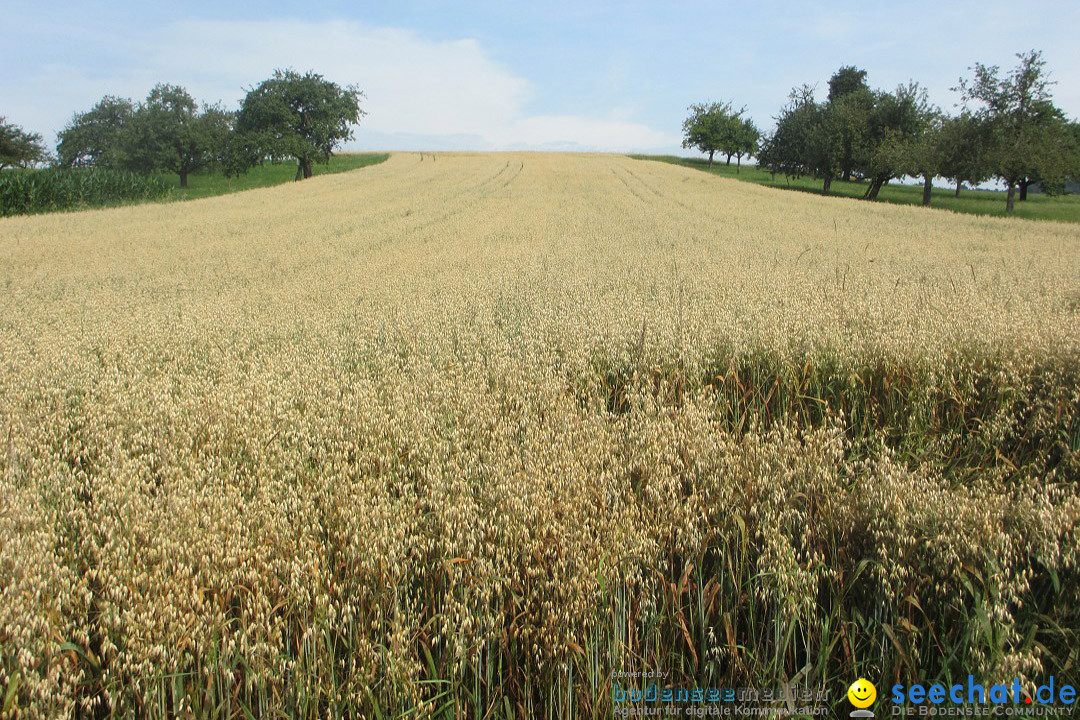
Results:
x,y
462,435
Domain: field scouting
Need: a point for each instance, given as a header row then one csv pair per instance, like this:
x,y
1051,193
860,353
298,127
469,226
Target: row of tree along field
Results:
x,y
1007,129
120,145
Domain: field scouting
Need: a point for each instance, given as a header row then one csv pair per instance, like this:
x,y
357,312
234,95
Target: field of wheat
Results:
x,y
467,434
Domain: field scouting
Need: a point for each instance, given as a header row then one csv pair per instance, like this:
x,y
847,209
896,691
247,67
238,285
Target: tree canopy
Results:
x,y
846,80
896,122
964,146
169,132
795,147
1027,132
19,148
704,128
296,116
741,139
97,137
847,116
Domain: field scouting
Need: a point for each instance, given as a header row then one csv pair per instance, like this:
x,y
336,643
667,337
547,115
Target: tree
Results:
x,y
841,125
1051,152
738,136
848,119
799,145
19,148
964,144
240,152
827,139
746,141
924,151
98,136
845,81
896,121
168,132
707,128
297,116
910,140
1023,121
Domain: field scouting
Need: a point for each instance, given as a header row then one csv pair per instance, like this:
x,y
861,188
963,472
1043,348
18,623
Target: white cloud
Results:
x,y
419,92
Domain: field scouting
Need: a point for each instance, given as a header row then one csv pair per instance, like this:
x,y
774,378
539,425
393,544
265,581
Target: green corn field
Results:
x,y
26,192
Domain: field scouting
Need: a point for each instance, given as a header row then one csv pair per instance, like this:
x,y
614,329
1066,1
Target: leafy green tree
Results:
x,y
924,152
842,125
848,120
896,121
707,128
19,148
908,136
97,137
738,136
745,141
1025,126
1052,152
766,153
830,136
964,144
168,132
799,145
296,116
241,152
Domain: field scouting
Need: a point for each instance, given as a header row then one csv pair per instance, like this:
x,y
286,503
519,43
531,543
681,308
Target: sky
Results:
x,y
502,75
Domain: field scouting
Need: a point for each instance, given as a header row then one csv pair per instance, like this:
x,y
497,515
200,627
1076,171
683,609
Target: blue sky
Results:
x,y
508,75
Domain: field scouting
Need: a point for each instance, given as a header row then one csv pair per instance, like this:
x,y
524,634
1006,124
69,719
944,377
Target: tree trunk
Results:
x,y
728,159
927,187
738,164
827,184
183,179
958,184
1009,199
711,153
875,188
303,169
1023,189
847,175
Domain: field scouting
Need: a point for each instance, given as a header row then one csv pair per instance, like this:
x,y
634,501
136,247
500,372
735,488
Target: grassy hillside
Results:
x,y
214,183
467,437
1064,208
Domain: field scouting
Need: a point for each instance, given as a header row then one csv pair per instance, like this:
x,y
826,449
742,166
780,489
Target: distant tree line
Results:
x,y
302,117
1008,129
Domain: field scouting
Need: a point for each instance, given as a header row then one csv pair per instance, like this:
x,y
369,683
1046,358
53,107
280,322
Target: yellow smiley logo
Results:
x,y
862,693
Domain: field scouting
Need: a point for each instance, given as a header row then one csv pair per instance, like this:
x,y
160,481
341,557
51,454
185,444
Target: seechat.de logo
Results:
x,y
974,693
